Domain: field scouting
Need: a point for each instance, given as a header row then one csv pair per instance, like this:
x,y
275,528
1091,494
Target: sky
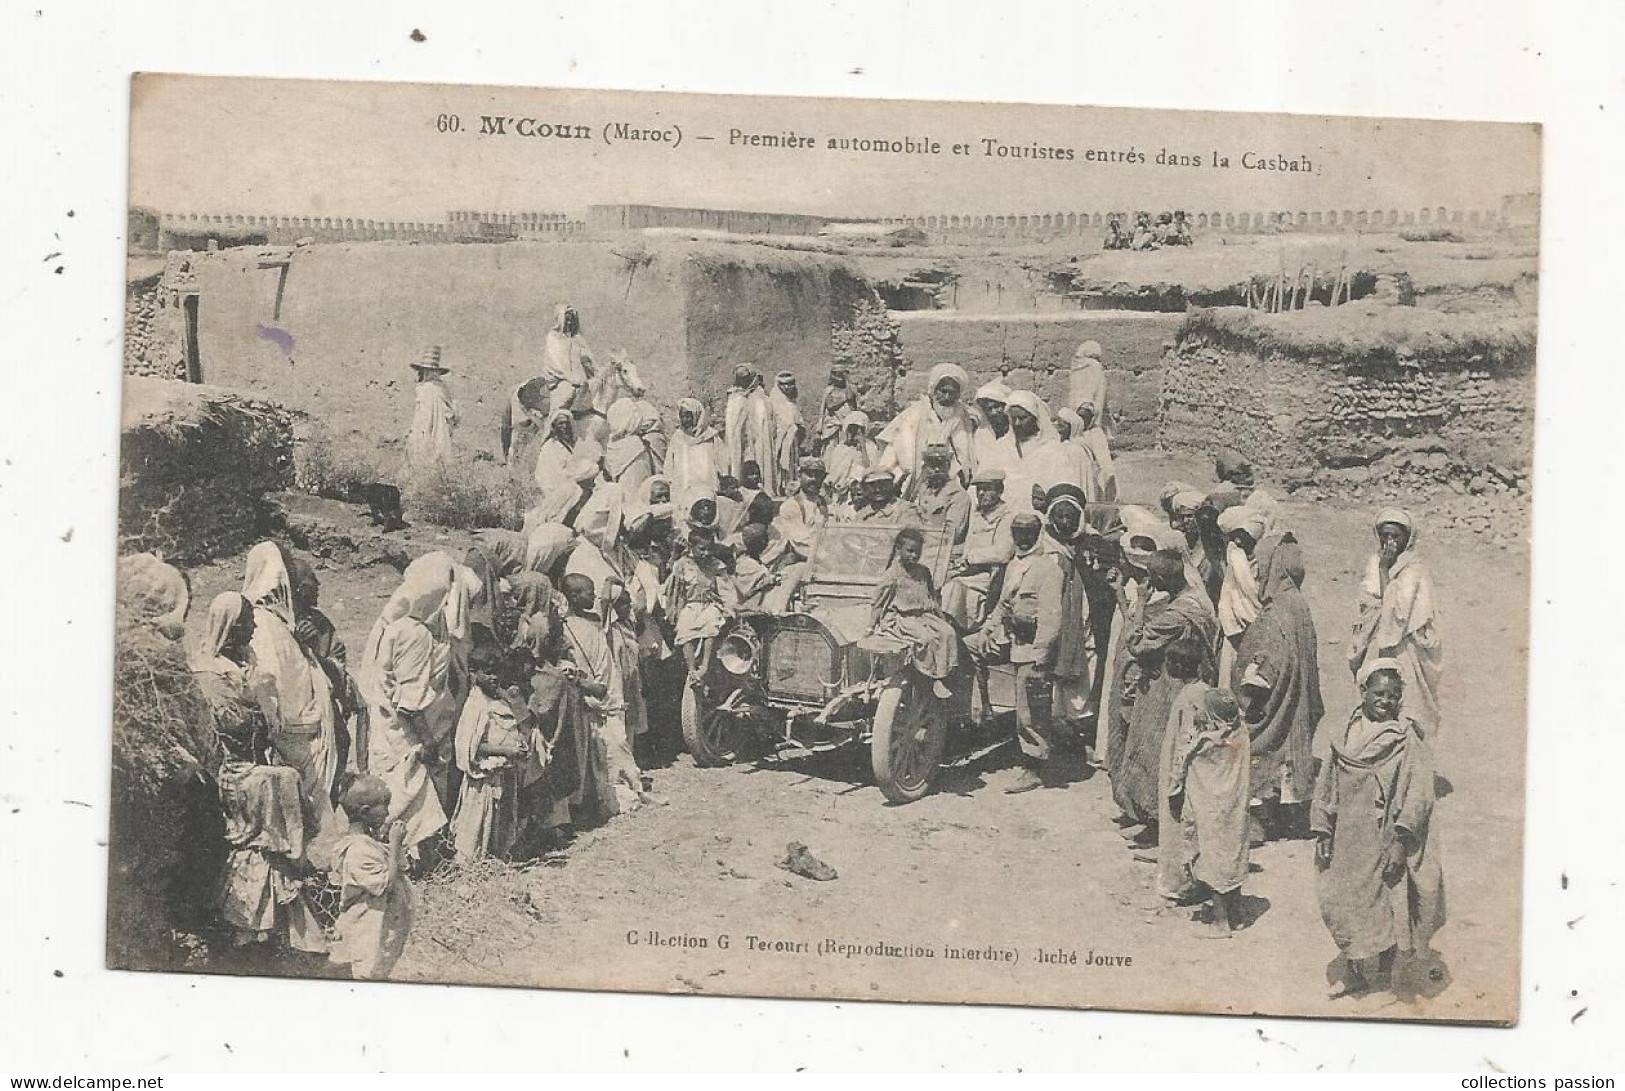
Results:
x,y
392,151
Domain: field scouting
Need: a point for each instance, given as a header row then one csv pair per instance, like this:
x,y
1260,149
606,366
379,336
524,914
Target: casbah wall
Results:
x,y
354,316
1034,352
775,309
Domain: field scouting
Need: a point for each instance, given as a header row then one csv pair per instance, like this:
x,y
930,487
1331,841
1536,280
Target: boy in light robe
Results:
x,y
1379,880
988,548
1399,616
1202,851
604,694
376,899
494,750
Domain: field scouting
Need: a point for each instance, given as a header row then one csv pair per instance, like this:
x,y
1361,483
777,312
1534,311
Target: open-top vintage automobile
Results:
x,y
816,677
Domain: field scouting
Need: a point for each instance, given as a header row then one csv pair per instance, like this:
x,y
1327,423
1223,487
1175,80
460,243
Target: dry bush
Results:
x,y
325,467
469,495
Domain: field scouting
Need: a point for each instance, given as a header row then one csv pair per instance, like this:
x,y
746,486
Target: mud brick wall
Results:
x,y
1353,418
155,320
1034,352
335,333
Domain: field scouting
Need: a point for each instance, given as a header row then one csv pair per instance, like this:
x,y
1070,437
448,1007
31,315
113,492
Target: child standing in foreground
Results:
x,y
1380,883
1202,850
905,605
495,753
701,595
376,899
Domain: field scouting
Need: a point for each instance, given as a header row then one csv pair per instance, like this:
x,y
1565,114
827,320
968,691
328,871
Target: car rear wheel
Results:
x,y
910,732
712,737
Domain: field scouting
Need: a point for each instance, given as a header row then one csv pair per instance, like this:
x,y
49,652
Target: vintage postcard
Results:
x,y
908,551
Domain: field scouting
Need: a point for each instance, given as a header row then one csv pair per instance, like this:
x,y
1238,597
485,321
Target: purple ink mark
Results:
x,y
281,338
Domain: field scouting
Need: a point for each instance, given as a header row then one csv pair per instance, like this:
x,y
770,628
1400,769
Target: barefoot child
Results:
x,y
494,752
1205,762
376,899
905,606
1380,884
701,596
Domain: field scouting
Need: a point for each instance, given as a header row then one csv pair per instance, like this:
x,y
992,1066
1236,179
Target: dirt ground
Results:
x,y
1000,878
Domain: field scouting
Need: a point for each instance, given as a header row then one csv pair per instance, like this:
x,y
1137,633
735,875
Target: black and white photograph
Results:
x,y
825,548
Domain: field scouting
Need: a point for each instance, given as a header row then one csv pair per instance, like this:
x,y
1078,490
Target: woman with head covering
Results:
x,y
292,688
695,455
939,416
155,591
1378,875
319,637
524,420
260,895
1276,677
415,686
636,446
1180,612
1398,617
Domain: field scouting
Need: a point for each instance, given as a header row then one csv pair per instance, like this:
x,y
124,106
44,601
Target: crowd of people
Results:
x,y
1149,233
504,696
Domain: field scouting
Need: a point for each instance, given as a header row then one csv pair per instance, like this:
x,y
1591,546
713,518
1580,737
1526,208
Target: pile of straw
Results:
x,y
196,464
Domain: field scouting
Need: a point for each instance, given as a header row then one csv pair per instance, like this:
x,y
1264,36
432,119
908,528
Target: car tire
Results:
x,y
710,736
909,735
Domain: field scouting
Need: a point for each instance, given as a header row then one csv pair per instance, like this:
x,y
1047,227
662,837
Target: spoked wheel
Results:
x,y
910,732
712,737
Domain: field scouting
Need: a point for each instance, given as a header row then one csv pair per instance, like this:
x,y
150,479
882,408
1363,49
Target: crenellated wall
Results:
x,y
191,230
636,217
1044,224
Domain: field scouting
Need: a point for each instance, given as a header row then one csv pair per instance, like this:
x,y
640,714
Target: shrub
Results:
x,y
323,467
470,495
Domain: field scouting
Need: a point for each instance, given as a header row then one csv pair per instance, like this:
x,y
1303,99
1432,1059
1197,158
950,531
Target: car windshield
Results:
x,y
855,555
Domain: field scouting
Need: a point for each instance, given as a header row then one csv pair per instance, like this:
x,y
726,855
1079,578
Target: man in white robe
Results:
x,y
939,416
433,415
789,430
748,428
